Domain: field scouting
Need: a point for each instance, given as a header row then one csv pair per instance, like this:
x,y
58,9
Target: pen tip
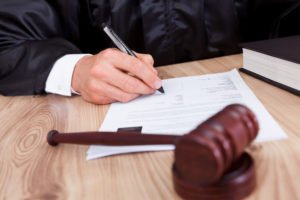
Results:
x,y
161,89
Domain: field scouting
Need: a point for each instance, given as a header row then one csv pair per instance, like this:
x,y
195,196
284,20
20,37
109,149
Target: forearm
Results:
x,y
25,68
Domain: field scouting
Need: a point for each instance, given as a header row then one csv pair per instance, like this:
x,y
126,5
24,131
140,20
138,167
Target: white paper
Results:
x,y
187,102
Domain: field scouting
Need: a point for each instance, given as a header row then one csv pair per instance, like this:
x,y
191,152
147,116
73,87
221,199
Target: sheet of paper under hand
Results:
x,y
187,102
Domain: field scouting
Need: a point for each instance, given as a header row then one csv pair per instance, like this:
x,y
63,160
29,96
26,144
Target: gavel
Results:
x,y
209,162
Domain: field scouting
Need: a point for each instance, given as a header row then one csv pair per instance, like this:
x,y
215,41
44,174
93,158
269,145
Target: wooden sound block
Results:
x,y
236,183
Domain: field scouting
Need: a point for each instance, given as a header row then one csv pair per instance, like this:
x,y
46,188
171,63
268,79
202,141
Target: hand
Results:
x,y
112,75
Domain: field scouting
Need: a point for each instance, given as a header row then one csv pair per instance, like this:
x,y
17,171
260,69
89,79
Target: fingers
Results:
x,y
103,93
134,66
125,82
148,59
101,100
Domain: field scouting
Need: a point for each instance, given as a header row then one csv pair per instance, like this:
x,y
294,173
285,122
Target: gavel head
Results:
x,y
206,153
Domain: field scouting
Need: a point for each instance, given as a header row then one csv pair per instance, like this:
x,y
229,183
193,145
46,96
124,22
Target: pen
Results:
x,y
120,44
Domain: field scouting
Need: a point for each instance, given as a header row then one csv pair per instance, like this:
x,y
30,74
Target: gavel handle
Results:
x,y
109,138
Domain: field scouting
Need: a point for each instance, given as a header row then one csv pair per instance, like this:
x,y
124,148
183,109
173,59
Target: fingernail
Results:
x,y
157,84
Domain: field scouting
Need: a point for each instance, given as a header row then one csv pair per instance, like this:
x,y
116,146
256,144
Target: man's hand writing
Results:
x,y
112,75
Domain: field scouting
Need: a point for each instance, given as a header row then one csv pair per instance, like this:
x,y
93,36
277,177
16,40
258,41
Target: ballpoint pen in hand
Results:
x,y
120,44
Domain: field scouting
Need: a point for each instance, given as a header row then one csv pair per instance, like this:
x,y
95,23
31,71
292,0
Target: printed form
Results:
x,y
187,102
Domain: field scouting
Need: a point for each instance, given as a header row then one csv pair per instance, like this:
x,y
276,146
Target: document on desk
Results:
x,y
187,102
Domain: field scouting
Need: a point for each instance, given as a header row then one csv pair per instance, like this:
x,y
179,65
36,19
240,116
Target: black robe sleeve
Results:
x,y
31,40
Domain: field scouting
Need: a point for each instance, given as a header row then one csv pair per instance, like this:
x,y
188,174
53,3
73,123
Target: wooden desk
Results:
x,y
30,169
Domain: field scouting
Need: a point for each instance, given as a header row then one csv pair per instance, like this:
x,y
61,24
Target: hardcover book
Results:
x,y
276,61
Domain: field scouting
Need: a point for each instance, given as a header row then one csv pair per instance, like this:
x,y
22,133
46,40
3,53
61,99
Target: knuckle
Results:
x,y
98,98
99,72
149,59
108,53
95,98
129,84
125,98
94,71
101,100
106,100
131,64
92,87
92,98
137,67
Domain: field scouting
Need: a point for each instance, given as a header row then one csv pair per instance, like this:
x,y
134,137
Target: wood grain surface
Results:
x,y
31,169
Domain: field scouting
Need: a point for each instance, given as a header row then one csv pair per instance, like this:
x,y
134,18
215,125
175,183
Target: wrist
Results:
x,y
75,84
